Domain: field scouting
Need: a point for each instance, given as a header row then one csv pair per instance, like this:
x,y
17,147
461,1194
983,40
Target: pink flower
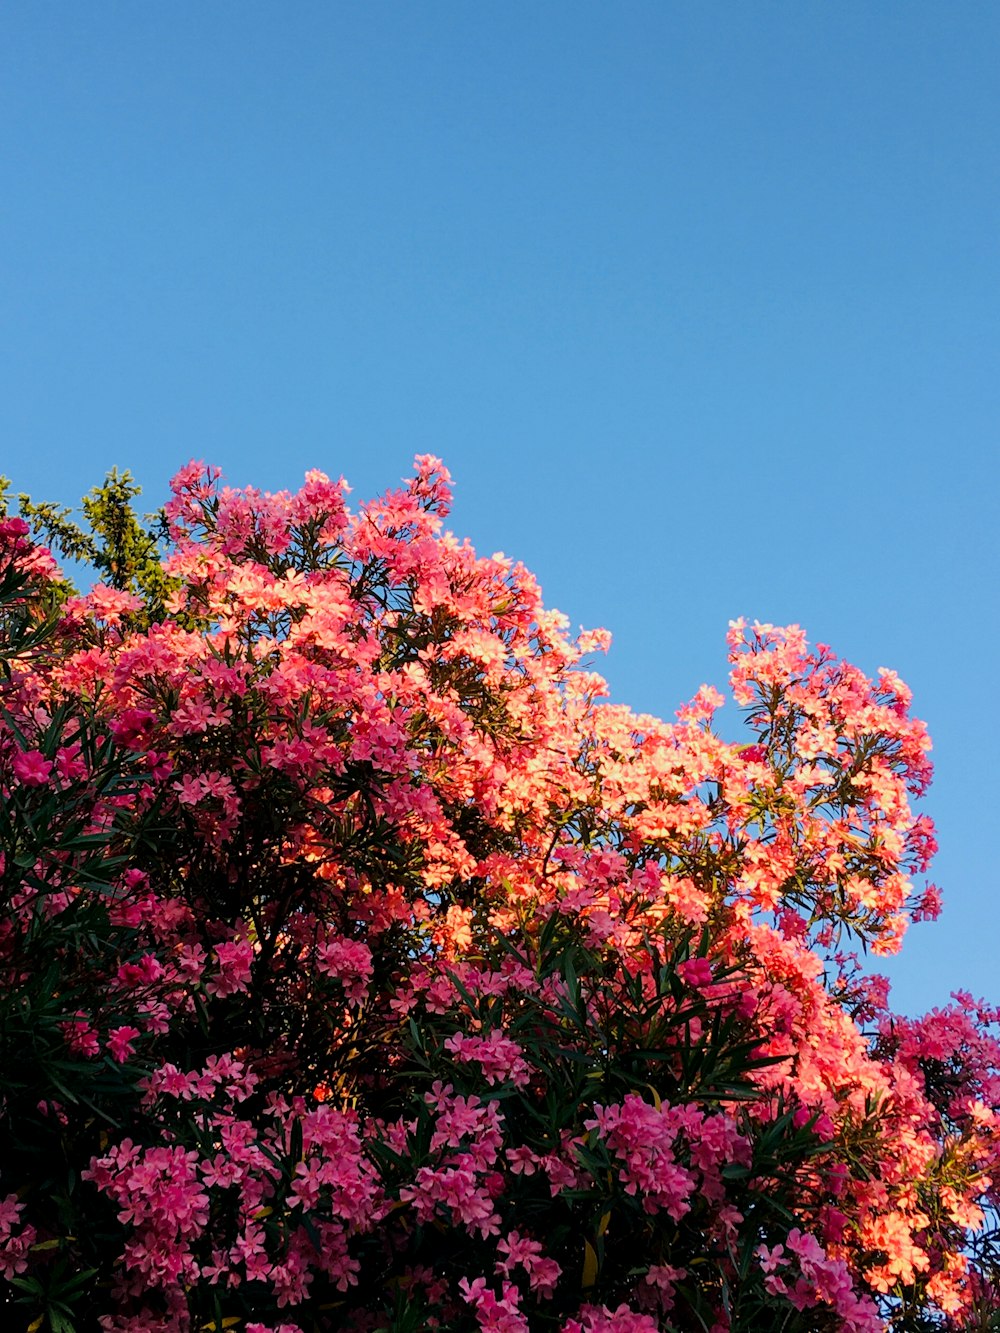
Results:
x,y
32,768
350,962
110,604
160,765
81,1038
147,970
499,1057
131,727
14,1249
753,754
770,1259
235,959
543,1273
697,972
120,1041
189,790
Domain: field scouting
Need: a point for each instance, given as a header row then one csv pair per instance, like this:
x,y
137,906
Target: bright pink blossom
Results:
x,y
32,768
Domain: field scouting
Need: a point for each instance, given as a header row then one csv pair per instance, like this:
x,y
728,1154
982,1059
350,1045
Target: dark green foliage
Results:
x,y
120,548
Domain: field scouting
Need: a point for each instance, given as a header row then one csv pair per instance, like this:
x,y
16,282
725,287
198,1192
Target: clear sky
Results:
x,y
699,302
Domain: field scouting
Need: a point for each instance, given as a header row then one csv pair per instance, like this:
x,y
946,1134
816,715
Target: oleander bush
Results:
x,y
361,968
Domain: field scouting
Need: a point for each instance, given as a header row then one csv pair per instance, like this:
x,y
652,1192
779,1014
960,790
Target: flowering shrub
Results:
x,y
361,969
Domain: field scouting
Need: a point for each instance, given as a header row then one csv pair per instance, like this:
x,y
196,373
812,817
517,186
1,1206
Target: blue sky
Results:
x,y
699,303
